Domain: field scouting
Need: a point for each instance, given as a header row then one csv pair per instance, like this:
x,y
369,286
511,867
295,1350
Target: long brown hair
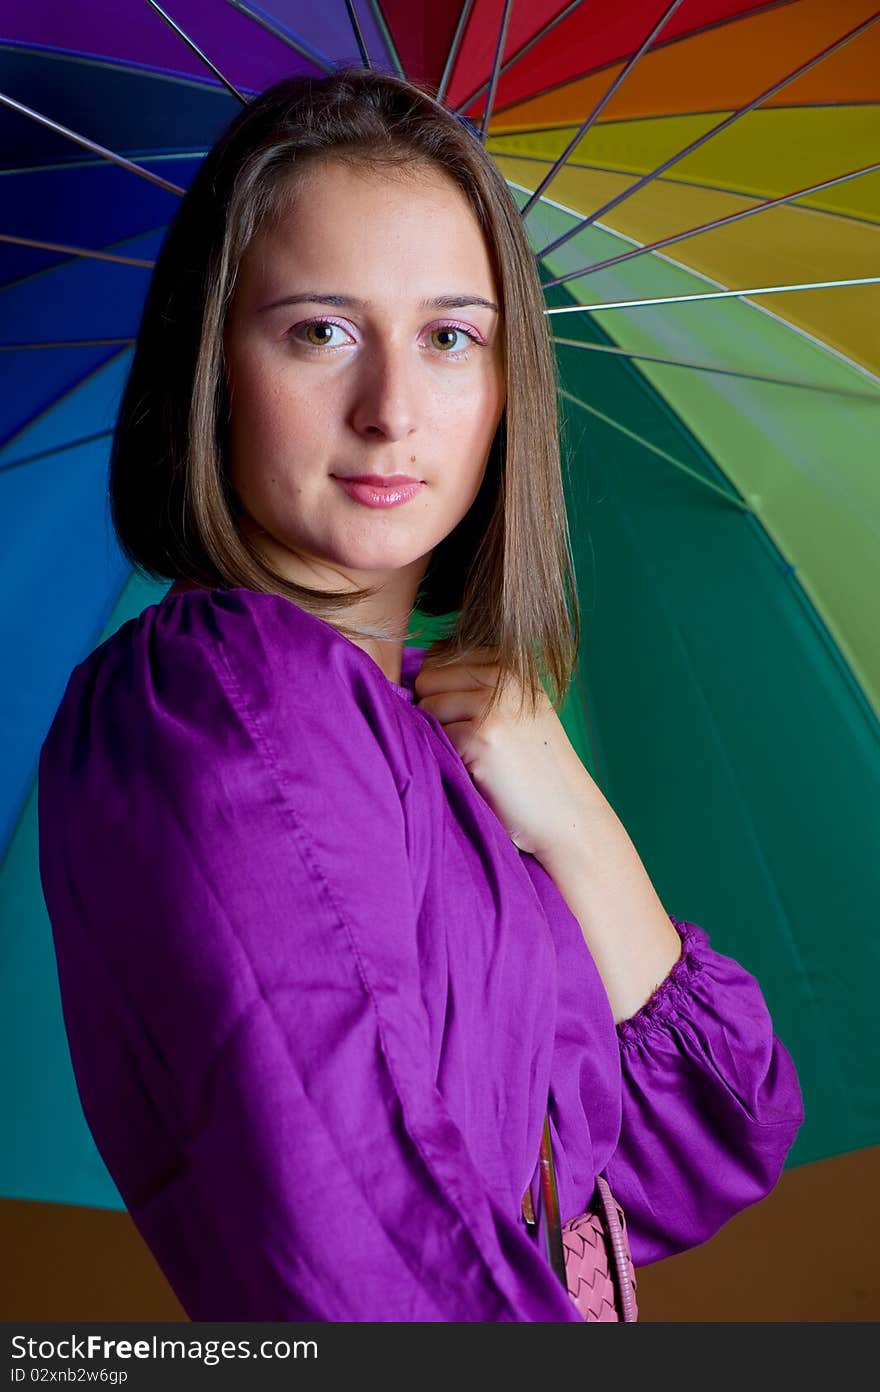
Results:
x,y
504,576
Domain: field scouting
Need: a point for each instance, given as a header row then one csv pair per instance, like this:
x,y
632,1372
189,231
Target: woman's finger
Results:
x,y
453,704
460,675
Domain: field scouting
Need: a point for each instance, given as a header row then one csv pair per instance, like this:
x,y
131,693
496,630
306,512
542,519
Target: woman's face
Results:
x,y
342,361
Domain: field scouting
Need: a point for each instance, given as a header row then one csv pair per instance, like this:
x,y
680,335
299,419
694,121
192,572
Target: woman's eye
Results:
x,y
318,333
444,338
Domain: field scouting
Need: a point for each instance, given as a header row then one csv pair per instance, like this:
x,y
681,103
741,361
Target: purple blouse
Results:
x,y
316,999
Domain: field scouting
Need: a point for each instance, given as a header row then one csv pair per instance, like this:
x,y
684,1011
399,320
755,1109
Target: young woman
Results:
x,y
337,921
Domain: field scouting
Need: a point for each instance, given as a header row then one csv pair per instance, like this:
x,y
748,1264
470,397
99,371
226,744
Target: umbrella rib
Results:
x,y
387,36
89,144
713,295
536,92
287,36
707,135
521,52
496,64
725,221
655,449
53,449
65,394
728,190
77,165
77,251
452,55
600,106
359,38
66,343
873,397
197,51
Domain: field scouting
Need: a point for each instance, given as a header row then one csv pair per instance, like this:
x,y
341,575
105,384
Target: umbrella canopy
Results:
x,y
680,166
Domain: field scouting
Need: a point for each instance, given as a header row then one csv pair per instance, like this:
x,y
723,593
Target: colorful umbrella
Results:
x,y
685,170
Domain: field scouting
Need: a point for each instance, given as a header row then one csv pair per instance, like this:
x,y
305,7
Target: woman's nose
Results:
x,y
387,392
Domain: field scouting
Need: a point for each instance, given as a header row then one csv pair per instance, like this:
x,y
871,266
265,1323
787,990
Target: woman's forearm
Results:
x,y
598,872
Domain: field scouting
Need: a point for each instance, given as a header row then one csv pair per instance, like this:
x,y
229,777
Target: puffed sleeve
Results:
x,y
223,858
711,1102
689,1107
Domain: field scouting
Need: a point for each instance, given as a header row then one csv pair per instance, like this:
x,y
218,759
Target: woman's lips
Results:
x,y
389,493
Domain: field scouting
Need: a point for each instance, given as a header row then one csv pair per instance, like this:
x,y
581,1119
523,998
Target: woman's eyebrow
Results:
x,y
351,302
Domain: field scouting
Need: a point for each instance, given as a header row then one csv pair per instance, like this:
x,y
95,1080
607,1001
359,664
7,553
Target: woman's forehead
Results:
x,y
395,194
370,232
